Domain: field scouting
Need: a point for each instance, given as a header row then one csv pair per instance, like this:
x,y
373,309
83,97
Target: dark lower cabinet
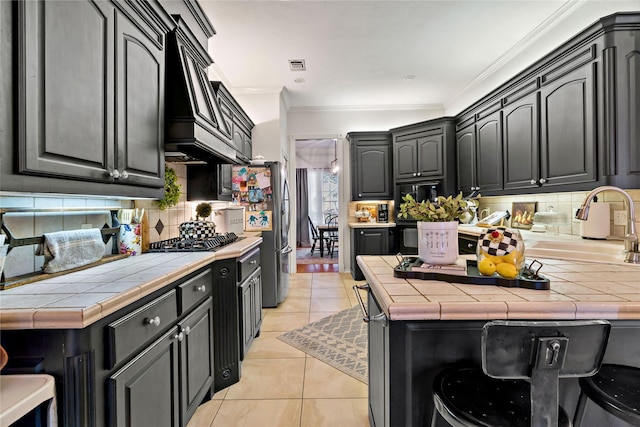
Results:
x,y
250,291
369,241
405,356
196,359
145,392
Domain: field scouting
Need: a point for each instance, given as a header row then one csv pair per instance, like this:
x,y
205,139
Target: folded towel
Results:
x,y
65,250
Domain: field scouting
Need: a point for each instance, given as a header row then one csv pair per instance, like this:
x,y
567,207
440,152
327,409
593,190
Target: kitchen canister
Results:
x,y
130,239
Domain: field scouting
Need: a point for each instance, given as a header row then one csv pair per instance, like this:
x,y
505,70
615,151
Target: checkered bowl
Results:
x,y
199,230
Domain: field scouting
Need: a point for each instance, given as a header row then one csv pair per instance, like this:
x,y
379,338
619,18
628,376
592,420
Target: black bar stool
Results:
x,y
616,389
521,366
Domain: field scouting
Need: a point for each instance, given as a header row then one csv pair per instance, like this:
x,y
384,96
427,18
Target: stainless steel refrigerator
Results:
x,y
264,191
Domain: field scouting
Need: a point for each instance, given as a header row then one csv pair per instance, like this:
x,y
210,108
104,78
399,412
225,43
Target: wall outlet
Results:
x,y
619,217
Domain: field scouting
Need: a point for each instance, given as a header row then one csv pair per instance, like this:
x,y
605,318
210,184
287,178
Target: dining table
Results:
x,y
323,230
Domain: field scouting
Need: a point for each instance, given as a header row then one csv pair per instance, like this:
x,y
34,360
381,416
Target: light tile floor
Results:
x,y
282,386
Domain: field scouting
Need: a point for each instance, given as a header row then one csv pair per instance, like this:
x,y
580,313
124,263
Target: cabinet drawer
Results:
x,y
133,331
248,264
194,290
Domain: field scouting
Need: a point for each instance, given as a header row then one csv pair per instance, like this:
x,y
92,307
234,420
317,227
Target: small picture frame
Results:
x,y
522,214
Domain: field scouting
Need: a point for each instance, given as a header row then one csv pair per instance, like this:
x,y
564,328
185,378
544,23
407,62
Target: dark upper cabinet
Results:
x,y
91,91
418,157
466,167
568,129
370,165
238,123
489,153
209,182
520,137
426,151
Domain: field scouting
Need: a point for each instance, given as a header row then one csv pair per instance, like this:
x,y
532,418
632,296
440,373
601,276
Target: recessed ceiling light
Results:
x,y
299,80
409,78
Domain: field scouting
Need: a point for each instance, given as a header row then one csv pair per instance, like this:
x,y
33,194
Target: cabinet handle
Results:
x,y
154,321
253,261
124,175
179,337
115,174
533,182
470,245
542,180
362,232
419,174
187,330
379,318
201,288
359,194
414,174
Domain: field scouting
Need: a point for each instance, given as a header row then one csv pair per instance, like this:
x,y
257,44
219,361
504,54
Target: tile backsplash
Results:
x,y
160,224
567,203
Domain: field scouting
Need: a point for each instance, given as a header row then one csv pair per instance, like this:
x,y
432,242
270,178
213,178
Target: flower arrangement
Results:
x,y
443,210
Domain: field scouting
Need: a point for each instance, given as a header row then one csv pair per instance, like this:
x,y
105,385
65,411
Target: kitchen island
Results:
x,y
425,325
131,341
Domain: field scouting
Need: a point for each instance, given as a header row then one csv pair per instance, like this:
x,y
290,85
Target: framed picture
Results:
x,y
522,214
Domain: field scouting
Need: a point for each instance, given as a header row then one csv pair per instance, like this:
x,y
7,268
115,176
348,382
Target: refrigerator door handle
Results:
x,y
287,249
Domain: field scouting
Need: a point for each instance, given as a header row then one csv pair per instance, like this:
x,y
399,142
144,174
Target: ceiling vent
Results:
x,y
297,65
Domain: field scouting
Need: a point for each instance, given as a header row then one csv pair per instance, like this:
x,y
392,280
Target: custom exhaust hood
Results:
x,y
195,130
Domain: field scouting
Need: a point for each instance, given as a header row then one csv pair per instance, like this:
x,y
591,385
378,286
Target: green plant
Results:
x,y
171,189
203,210
444,209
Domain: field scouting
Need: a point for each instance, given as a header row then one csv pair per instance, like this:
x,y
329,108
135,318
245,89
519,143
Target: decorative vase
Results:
x,y
438,242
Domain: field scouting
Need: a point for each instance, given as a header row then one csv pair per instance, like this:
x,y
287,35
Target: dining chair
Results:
x,y
522,362
315,235
332,221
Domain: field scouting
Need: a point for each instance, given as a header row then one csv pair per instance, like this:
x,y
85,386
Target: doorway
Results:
x,y
317,210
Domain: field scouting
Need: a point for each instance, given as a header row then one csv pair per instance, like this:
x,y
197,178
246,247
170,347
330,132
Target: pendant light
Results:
x,y
334,164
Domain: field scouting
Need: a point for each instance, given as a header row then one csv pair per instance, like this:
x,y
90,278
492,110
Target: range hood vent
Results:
x,y
195,130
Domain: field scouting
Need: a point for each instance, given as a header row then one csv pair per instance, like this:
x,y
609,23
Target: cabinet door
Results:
x,y
145,391
367,241
378,367
373,169
196,358
246,314
489,153
140,105
256,294
65,82
568,129
466,145
430,154
521,142
404,159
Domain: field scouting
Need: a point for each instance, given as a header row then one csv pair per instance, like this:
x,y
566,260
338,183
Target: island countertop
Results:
x,y
78,299
579,290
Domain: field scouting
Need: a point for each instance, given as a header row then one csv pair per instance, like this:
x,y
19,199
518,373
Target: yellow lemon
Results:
x,y
507,270
486,267
497,259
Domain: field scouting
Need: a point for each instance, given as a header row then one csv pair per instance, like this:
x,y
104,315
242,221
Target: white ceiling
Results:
x,y
357,53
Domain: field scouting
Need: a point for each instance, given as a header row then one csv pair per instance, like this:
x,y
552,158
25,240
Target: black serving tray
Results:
x,y
473,276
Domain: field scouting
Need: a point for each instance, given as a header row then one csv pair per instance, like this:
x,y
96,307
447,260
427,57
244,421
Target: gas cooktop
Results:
x,y
178,244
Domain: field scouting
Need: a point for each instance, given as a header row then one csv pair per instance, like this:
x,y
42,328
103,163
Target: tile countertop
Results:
x,y
579,290
78,299
372,224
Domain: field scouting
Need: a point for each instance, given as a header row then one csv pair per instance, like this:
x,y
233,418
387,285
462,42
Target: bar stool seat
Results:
x,y
20,394
522,363
616,389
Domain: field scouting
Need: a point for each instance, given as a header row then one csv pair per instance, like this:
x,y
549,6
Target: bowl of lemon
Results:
x,y
500,253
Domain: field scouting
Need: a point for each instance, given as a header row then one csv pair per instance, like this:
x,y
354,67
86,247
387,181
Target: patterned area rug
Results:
x,y
303,256
339,340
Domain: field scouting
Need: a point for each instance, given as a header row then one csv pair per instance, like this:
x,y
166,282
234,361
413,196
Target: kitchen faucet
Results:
x,y
631,238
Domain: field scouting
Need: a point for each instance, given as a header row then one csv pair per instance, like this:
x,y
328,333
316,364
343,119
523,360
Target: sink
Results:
x,y
610,252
